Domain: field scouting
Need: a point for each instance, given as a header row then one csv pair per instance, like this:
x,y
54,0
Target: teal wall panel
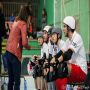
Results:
x,y
84,22
50,13
40,7
49,8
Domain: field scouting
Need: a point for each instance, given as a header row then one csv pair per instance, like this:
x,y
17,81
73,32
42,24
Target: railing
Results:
x,y
14,7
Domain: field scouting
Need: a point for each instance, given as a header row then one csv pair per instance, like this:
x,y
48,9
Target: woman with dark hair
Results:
x,y
44,18
16,41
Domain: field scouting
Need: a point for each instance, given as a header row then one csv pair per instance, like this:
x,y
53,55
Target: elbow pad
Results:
x,y
50,57
67,55
44,56
58,54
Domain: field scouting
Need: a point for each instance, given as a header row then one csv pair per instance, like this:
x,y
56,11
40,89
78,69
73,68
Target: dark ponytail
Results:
x,y
24,13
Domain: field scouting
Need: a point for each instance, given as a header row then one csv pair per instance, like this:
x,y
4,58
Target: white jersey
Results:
x,y
50,47
58,47
44,49
47,48
78,57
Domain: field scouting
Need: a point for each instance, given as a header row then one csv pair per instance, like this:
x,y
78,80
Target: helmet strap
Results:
x,y
57,40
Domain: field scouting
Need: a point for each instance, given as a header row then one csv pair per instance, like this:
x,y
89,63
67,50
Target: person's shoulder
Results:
x,y
61,42
15,23
44,44
50,43
67,41
21,23
77,37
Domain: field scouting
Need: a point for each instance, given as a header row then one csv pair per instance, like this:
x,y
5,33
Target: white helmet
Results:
x,y
47,28
70,21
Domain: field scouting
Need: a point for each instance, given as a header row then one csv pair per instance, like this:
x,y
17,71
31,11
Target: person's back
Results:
x,y
14,44
16,41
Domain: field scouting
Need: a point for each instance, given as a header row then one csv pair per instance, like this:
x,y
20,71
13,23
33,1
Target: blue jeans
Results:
x,y
4,60
14,71
51,85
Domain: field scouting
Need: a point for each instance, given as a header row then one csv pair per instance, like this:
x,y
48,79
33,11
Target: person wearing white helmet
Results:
x,y
74,68
38,76
47,39
46,30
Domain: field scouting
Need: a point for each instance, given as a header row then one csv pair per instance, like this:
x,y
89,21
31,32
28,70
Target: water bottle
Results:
x,y
0,82
75,87
5,86
68,87
25,85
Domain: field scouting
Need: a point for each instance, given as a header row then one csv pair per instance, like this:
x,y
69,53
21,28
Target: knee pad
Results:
x,y
37,71
62,70
50,76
